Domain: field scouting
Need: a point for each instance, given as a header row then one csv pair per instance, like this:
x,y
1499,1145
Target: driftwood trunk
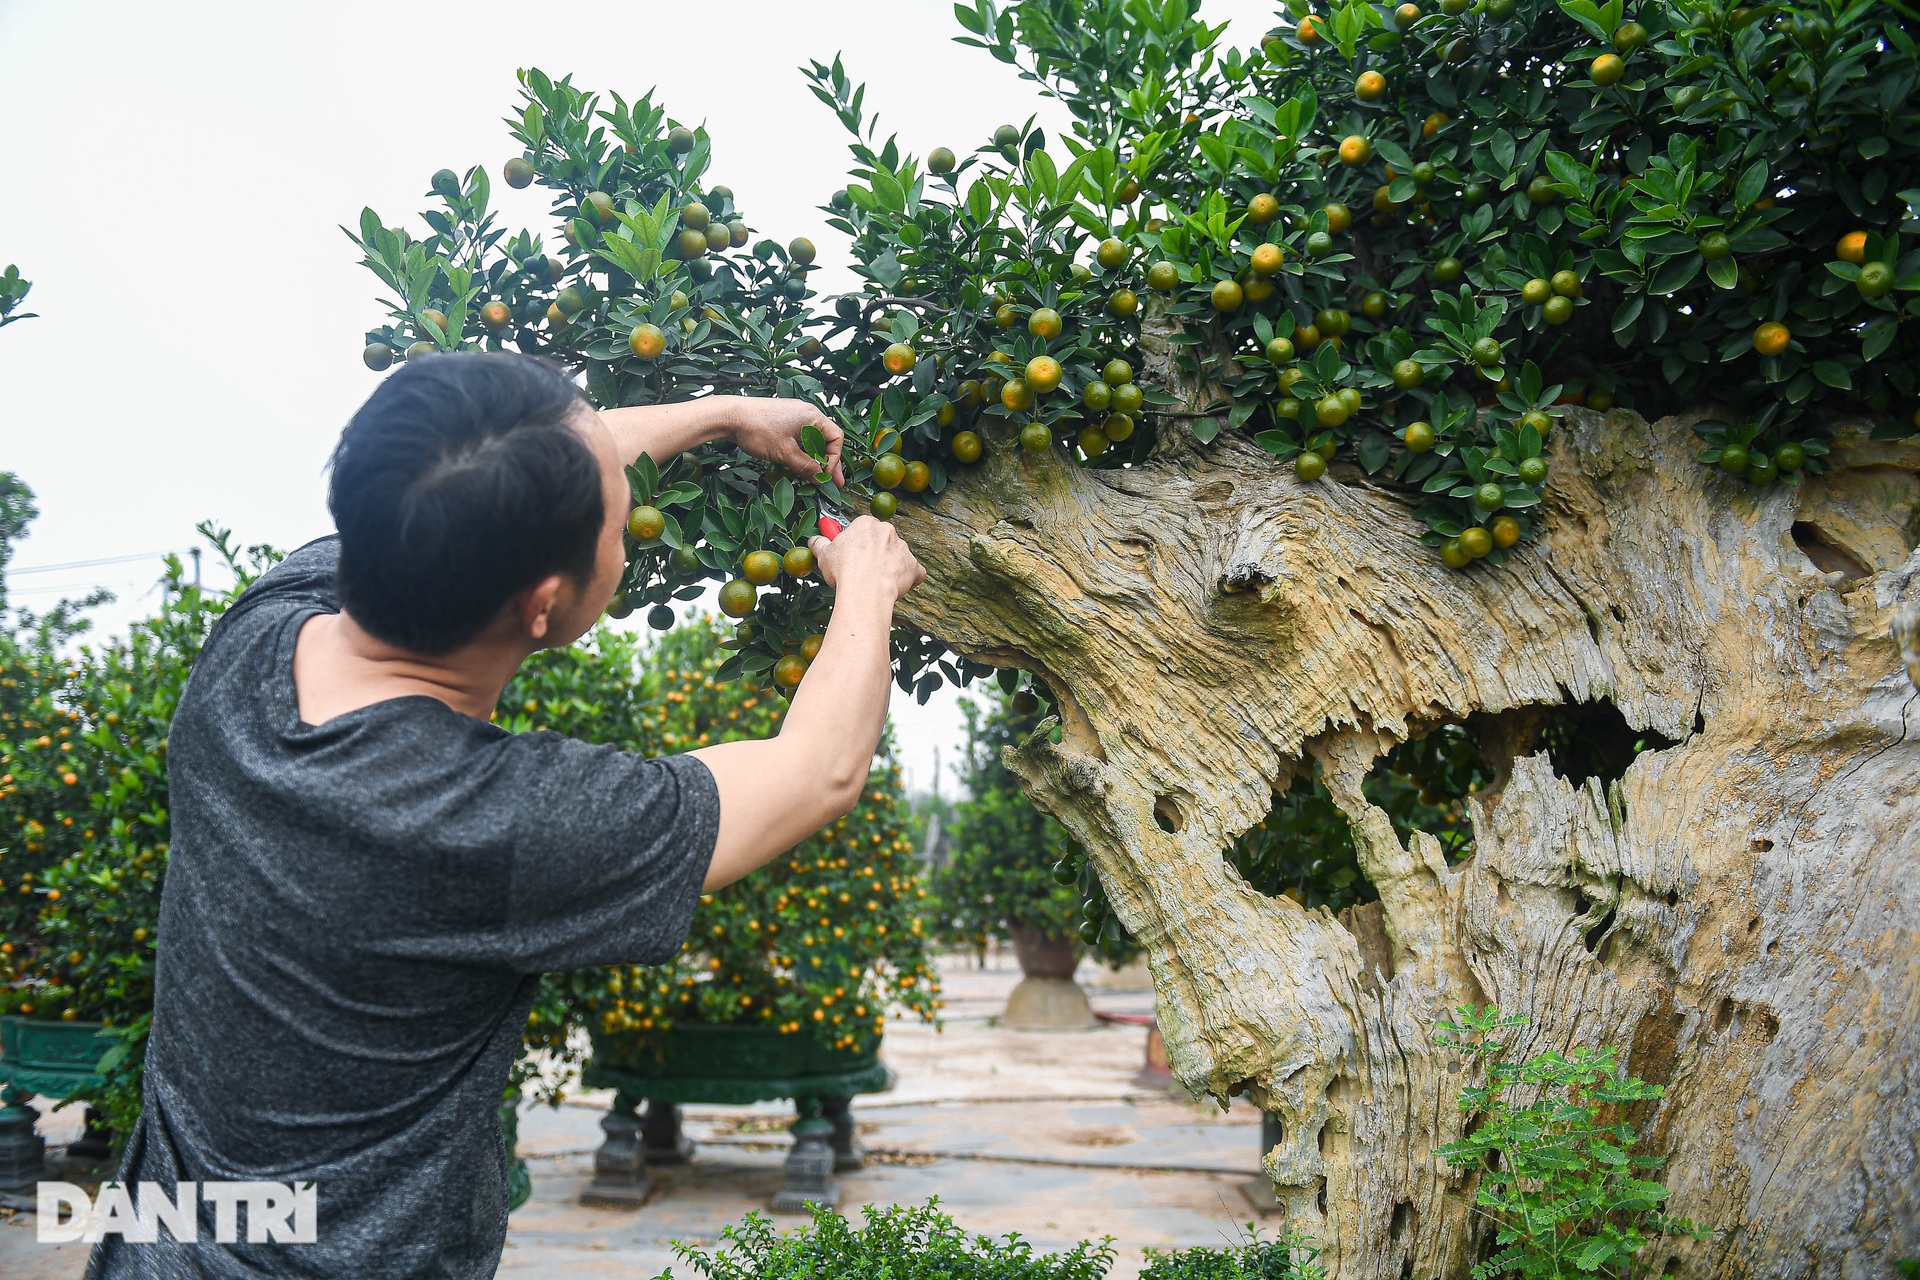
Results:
x,y
1737,912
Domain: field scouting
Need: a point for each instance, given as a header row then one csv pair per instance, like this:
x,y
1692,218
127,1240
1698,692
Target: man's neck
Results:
x,y
338,667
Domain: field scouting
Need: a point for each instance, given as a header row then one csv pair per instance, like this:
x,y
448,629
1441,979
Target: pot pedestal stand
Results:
x,y
727,1066
620,1177
23,1153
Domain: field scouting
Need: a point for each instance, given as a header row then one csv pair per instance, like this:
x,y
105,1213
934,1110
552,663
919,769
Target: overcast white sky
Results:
x,y
176,176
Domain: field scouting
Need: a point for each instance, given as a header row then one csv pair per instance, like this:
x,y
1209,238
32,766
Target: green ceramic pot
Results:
x,y
693,1062
52,1059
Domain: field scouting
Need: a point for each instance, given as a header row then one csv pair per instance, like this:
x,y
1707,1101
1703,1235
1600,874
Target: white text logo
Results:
x,y
276,1213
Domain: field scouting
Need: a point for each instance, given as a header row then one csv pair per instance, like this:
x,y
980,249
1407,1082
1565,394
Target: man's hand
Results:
x,y
869,553
770,428
775,792
764,427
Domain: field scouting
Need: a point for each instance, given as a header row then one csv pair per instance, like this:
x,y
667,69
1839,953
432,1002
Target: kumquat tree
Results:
x,y
1485,426
824,944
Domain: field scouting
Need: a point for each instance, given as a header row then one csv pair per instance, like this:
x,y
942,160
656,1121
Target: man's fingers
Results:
x,y
819,546
803,464
836,439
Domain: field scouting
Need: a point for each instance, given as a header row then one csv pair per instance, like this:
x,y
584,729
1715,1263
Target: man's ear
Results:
x,y
536,605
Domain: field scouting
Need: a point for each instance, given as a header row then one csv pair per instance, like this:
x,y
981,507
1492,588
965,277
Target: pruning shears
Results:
x,y
832,520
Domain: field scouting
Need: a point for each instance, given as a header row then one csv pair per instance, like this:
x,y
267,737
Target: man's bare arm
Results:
x,y
776,792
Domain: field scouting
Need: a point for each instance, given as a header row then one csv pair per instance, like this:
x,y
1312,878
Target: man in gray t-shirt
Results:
x,y
367,877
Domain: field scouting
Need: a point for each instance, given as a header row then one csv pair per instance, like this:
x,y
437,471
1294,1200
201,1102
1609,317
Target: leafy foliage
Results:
x,y
919,1242
1290,1257
1558,1174
900,1242
1408,236
823,941
13,291
84,811
16,513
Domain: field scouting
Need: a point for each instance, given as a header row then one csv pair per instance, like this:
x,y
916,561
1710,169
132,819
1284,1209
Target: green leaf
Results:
x,y
980,203
1834,374
1587,14
1752,184
1374,448
1394,154
1042,174
1876,339
1723,272
1500,146
1278,443
1675,274
1594,1255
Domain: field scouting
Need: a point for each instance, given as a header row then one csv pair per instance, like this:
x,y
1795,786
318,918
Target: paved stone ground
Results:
x,y
1042,1133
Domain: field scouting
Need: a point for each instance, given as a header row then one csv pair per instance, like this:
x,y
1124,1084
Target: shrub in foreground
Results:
x,y
918,1242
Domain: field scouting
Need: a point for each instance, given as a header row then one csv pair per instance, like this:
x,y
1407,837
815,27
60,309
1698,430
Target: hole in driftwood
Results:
x,y
1592,740
1402,1221
1593,623
1827,555
1597,936
1755,1020
1213,493
1242,576
1423,785
1167,815
1303,849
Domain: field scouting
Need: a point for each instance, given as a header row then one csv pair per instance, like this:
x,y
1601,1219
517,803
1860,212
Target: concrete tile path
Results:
x,y
1042,1133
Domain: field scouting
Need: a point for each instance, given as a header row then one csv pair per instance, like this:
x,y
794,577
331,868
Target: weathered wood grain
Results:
x,y
1738,913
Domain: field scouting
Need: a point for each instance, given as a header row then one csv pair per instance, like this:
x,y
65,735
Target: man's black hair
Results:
x,y
462,481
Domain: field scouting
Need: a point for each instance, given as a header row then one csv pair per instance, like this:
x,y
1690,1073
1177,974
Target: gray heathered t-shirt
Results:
x,y
353,922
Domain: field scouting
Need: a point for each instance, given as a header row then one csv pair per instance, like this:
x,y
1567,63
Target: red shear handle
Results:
x,y
829,528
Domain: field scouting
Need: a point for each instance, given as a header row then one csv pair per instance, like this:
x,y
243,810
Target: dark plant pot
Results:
x,y
52,1059
1043,955
694,1062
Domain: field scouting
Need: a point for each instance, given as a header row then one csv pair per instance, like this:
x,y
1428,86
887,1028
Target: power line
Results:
x,y
76,589
89,564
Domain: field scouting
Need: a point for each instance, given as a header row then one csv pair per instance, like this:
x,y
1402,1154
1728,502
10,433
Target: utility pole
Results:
x,y
930,843
196,568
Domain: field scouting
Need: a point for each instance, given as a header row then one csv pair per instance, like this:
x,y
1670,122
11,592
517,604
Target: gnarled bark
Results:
x,y
1737,912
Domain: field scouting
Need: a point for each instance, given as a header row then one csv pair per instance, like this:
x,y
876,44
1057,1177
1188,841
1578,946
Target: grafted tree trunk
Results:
x,y
1737,912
